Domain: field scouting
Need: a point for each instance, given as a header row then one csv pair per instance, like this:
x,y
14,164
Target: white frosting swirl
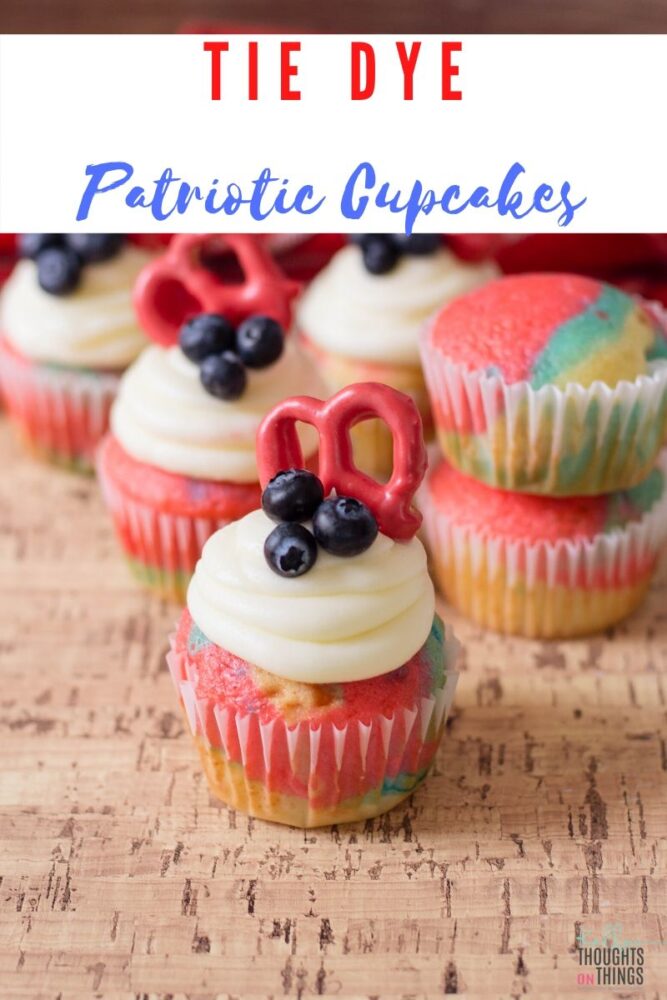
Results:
x,y
163,415
345,620
92,327
348,311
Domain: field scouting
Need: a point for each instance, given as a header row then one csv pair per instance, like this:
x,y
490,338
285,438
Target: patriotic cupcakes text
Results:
x,y
512,196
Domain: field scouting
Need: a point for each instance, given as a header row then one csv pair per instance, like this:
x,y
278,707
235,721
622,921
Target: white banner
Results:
x,y
332,133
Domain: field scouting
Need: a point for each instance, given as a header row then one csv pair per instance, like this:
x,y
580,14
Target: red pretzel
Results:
x,y
176,286
278,448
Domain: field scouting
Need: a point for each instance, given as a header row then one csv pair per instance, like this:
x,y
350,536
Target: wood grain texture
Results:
x,y
393,16
121,877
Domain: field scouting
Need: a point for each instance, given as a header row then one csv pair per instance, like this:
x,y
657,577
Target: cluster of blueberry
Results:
x,y
342,526
223,352
381,252
60,257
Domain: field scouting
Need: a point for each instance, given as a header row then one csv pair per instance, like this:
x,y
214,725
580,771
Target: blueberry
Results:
x,y
58,270
344,526
93,248
418,244
32,244
379,254
223,375
206,334
259,341
293,495
290,550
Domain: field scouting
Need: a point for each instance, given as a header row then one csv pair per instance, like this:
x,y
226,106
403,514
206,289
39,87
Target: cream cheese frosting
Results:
x,y
347,619
348,311
93,327
163,415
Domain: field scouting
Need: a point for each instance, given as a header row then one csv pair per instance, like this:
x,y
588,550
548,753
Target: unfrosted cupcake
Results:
x,y
549,383
315,674
540,566
68,332
360,320
179,462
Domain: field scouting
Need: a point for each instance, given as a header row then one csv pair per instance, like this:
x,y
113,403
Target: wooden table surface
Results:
x,y
120,876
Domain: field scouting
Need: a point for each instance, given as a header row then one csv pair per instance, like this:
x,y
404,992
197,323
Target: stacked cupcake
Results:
x,y
549,395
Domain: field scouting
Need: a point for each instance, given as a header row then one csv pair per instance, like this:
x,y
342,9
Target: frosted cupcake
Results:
x,y
360,320
546,567
68,332
549,383
179,462
314,671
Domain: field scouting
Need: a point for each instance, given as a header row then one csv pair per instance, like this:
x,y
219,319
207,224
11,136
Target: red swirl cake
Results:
x,y
549,383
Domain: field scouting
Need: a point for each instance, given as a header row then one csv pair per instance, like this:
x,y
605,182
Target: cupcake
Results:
x,y
68,331
179,461
314,672
549,383
360,320
546,567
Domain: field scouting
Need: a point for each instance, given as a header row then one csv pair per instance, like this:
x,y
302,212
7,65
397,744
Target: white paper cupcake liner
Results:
x,y
162,548
544,589
562,442
61,413
320,766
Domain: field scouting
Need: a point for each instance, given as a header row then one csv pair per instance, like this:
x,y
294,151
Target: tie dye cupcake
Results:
x,y
68,332
549,383
546,567
179,462
314,672
360,320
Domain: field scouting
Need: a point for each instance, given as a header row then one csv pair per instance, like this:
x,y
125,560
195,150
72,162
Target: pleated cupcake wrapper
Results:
x,y
609,559
63,413
322,762
568,441
547,590
163,547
